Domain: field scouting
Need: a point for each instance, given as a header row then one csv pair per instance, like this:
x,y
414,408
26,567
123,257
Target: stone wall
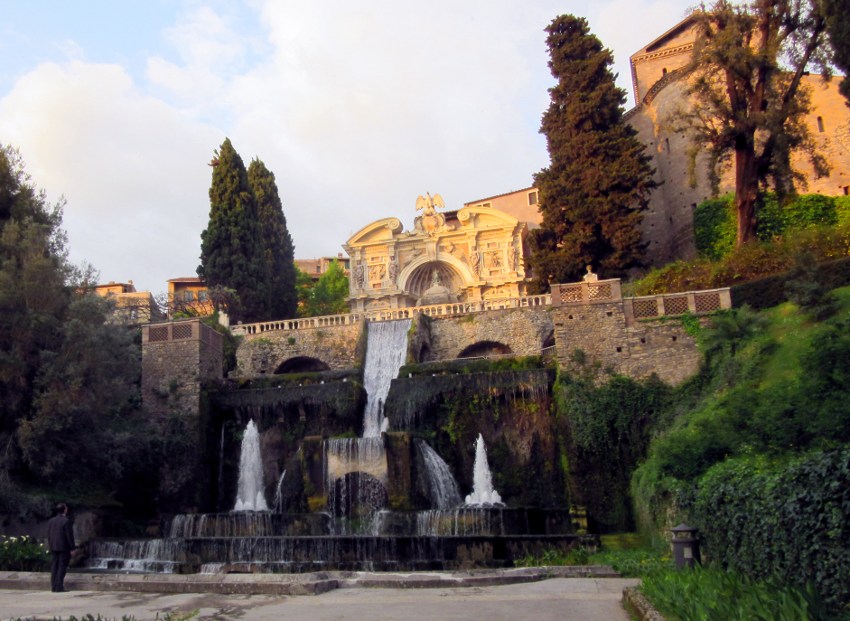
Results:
x,y
176,357
523,330
338,347
658,346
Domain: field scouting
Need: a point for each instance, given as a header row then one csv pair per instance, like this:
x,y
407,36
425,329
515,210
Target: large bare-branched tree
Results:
x,y
748,98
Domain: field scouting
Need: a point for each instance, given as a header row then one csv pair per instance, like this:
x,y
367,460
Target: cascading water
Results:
x,y
483,494
442,485
249,495
386,349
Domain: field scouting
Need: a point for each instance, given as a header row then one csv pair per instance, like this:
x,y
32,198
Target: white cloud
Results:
x,y
133,169
356,107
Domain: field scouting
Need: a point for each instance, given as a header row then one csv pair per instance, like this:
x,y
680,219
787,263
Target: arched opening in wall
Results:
x,y
357,495
424,354
549,341
301,364
422,279
483,349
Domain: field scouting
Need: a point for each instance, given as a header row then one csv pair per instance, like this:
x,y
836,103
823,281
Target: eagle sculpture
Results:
x,y
429,203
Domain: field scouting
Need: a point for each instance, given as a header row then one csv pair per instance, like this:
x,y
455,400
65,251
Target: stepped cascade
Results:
x,y
384,501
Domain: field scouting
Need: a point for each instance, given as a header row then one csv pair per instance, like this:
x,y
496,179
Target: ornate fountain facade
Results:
x,y
468,255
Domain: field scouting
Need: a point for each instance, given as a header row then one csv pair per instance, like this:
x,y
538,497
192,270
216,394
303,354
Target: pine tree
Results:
x,y
599,179
231,245
278,250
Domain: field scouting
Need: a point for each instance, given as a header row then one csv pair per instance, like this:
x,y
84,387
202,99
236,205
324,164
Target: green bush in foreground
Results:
x,y
708,594
22,554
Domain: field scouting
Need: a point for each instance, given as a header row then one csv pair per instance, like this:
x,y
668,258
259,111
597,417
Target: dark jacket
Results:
x,y
60,536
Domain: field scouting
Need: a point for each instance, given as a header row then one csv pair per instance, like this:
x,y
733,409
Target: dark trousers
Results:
x,y
58,566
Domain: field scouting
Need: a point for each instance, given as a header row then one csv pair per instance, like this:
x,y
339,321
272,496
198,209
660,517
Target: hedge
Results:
x,y
770,290
790,520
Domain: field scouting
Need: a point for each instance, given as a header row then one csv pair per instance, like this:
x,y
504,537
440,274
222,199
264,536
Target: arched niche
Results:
x,y
301,364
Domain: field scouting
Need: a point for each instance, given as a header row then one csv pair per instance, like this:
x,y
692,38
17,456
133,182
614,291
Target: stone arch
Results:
x,y
301,364
356,495
418,272
483,349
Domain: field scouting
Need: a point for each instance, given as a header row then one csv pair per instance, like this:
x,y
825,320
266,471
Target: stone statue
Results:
x,y
435,279
430,221
359,275
392,270
429,203
590,276
474,261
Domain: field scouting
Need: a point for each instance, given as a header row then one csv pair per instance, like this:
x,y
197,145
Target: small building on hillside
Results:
x,y
188,297
314,268
131,306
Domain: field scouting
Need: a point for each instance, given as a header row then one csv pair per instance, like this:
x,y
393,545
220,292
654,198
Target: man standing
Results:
x,y
60,538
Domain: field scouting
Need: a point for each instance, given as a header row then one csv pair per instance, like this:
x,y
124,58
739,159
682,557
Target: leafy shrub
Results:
x,y
22,554
715,225
788,518
634,563
715,594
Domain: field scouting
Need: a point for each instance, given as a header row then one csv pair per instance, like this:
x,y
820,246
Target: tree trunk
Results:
x,y
746,193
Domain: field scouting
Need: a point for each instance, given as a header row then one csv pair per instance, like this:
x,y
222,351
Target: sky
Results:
x,y
357,106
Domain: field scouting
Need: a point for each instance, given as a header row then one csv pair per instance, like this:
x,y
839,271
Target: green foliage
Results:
x,y
22,554
746,103
599,179
69,399
715,224
232,246
609,427
838,30
715,594
788,518
277,248
461,367
634,563
330,293
752,262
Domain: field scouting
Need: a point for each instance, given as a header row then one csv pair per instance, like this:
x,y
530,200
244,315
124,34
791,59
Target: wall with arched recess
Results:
x,y
522,330
338,347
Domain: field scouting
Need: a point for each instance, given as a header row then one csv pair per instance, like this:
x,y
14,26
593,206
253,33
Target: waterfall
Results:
x,y
441,484
386,349
483,493
249,496
278,494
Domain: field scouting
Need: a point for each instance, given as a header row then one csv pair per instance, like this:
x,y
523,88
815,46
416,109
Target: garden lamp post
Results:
x,y
685,546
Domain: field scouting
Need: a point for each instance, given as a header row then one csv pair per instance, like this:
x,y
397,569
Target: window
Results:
x,y
664,71
188,296
202,295
820,124
846,189
318,269
532,198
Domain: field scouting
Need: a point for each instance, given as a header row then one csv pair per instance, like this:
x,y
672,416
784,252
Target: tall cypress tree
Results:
x,y
599,179
231,245
278,250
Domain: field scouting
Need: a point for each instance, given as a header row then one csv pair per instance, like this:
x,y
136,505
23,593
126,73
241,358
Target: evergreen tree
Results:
x,y
749,100
278,250
231,245
598,179
69,399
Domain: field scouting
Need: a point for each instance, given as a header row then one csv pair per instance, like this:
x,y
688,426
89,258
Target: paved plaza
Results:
x,y
564,599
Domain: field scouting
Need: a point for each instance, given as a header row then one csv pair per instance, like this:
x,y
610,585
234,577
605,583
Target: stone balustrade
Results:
x,y
595,292
389,314
696,302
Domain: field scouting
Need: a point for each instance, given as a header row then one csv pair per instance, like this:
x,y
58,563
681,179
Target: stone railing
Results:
x,y
594,292
304,323
697,302
188,330
388,314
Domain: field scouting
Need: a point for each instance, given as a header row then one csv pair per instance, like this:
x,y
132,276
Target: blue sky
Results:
x,y
357,107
